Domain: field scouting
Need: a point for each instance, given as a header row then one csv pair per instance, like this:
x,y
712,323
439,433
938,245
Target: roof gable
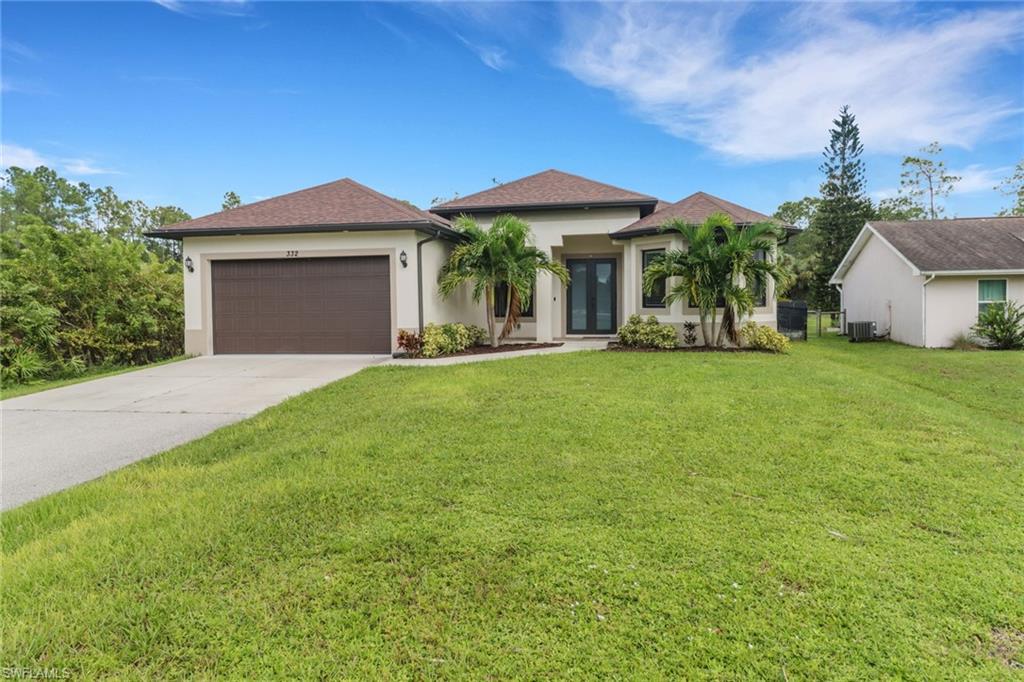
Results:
x,y
334,204
695,209
548,188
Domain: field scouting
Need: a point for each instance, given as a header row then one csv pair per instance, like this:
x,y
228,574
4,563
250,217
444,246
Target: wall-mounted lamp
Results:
x,y
188,264
403,259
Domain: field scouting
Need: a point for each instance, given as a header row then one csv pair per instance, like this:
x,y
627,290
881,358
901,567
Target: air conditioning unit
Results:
x,y
860,331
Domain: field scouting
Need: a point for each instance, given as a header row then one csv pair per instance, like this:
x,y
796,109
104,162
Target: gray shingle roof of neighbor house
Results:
x,y
544,189
336,206
957,244
695,208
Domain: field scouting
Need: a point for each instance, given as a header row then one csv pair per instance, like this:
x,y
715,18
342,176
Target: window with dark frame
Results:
x,y
656,299
501,302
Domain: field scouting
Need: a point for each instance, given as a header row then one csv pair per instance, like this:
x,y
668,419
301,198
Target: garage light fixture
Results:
x,y
188,264
403,259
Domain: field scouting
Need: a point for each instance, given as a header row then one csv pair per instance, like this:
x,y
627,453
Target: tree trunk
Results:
x,y
512,313
491,331
710,341
704,328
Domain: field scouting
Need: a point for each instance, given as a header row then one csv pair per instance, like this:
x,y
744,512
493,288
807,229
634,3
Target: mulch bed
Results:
x,y
486,350
618,348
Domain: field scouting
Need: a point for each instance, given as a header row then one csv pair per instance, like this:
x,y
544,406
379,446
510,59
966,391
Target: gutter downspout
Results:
x,y
419,273
924,310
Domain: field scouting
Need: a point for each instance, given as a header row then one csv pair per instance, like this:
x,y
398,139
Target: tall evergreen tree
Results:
x,y
844,207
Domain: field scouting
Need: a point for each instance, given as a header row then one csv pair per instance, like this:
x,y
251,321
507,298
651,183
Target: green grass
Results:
x,y
844,512
16,390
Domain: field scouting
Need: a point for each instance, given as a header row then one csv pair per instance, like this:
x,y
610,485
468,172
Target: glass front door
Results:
x,y
591,299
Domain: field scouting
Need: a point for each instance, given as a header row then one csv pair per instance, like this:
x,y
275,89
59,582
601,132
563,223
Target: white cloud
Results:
x,y
22,157
29,159
681,67
975,178
492,56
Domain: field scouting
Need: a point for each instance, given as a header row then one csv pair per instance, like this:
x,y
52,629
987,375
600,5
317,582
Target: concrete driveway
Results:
x,y
57,438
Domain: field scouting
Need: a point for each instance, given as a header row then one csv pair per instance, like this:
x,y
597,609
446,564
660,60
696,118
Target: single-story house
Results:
x,y
923,282
341,268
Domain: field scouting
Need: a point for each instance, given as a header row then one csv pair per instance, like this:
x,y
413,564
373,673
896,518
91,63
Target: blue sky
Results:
x,y
176,103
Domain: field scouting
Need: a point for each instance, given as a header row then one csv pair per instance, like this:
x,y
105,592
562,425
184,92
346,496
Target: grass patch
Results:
x,y
16,390
845,511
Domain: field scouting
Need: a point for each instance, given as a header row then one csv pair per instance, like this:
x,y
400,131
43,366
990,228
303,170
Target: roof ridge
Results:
x,y
465,200
598,182
405,208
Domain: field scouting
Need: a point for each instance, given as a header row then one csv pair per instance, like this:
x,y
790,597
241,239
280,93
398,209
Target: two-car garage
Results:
x,y
302,305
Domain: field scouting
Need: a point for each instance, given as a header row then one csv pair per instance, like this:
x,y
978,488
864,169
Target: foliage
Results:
x,y
764,337
1002,325
964,341
501,254
689,333
81,286
846,512
718,265
410,342
1013,186
923,180
798,213
647,333
446,339
231,200
843,208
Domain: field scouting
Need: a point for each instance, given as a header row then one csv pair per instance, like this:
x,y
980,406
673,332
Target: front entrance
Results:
x,y
591,300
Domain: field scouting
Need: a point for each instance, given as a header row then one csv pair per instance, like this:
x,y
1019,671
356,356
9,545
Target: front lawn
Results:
x,y
847,511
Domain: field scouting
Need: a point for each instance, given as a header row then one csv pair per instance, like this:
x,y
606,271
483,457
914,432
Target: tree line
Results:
x,y
832,220
81,285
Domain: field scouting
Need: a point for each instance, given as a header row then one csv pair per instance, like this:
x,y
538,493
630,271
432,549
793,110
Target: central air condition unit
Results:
x,y
860,331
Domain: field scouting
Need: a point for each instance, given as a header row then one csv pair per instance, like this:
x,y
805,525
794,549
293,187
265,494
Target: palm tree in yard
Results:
x,y
488,258
719,269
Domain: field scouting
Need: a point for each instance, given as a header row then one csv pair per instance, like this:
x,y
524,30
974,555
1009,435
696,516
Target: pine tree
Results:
x,y
843,208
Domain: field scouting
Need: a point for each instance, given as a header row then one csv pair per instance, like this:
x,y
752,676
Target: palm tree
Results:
x,y
488,258
719,269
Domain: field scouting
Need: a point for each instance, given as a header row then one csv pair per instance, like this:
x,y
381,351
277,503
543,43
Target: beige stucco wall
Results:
x,y
203,250
881,287
952,305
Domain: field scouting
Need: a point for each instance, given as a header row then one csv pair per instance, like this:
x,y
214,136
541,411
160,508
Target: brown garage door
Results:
x,y
302,305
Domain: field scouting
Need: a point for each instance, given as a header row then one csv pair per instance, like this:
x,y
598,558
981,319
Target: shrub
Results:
x,y
445,339
410,342
964,341
690,333
1002,325
649,333
763,338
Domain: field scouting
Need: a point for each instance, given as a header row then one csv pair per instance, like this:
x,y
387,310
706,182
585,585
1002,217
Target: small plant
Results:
x,y
690,333
649,333
1002,325
763,338
410,342
446,339
964,341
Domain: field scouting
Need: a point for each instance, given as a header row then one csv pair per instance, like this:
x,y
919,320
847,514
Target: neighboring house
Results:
x,y
924,282
341,268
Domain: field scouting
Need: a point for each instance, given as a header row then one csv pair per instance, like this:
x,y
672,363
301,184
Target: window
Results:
x,y
501,302
990,291
656,299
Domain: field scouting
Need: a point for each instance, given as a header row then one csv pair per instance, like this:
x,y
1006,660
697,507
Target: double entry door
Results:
x,y
591,296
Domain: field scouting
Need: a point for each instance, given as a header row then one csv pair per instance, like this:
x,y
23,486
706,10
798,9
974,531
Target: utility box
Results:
x,y
861,331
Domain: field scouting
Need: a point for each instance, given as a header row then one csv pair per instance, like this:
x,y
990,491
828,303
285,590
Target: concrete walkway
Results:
x,y
55,439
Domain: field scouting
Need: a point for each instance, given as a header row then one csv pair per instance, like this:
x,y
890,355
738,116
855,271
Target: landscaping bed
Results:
x,y
485,350
619,348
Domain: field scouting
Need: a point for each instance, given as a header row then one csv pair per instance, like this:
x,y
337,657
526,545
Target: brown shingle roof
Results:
x,y
957,244
548,188
695,208
339,204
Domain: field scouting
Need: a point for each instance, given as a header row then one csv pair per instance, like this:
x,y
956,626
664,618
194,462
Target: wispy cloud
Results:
x,y
193,8
25,157
19,51
975,178
492,56
682,67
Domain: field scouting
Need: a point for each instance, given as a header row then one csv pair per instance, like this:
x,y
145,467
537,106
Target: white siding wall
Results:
x,y
880,287
952,304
